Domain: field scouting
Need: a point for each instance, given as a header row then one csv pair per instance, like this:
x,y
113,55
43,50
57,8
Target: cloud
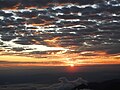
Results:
x,y
109,49
65,84
33,30
27,3
30,48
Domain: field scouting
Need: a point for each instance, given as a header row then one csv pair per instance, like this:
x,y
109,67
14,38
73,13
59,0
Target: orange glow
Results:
x,y
53,42
72,69
35,42
31,7
72,65
60,58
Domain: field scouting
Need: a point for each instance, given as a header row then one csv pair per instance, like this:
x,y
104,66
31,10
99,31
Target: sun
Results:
x,y
72,65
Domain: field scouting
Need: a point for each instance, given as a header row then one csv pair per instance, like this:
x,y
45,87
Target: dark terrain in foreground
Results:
x,y
105,85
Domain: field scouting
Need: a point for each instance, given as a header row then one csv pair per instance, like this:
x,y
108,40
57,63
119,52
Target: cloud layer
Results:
x,y
57,27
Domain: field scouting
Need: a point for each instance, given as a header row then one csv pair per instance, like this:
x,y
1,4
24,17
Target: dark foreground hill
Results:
x,y
106,85
65,84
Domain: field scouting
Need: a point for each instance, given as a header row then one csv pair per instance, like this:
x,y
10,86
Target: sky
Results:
x,y
59,33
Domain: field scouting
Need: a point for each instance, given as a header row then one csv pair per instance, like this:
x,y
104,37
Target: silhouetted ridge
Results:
x,y
106,85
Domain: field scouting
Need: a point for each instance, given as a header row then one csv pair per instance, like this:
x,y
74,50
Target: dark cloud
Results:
x,y
110,49
88,28
114,50
25,3
7,3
